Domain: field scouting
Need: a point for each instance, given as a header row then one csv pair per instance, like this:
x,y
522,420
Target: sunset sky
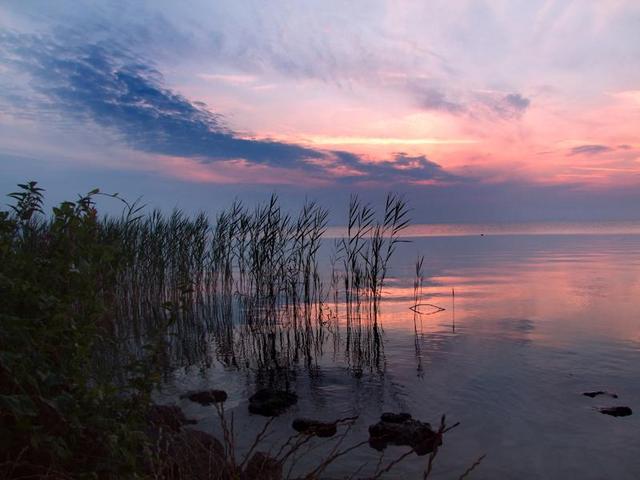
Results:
x,y
476,110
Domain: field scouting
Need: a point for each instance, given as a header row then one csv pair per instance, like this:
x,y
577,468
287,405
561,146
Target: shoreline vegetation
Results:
x,y
96,311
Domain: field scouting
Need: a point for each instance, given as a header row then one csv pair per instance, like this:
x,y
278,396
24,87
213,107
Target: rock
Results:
x,y
195,455
315,427
206,397
262,467
401,429
168,417
395,417
271,403
616,411
599,392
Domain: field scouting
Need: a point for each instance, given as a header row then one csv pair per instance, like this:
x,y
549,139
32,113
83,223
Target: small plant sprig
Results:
x,y
29,200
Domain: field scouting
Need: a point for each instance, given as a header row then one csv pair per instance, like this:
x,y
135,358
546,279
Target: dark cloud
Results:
x,y
433,99
118,90
407,168
400,169
477,104
517,102
511,106
589,150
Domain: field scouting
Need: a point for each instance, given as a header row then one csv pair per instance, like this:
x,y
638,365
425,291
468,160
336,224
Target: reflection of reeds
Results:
x,y
262,258
417,295
419,308
249,283
367,249
365,253
247,286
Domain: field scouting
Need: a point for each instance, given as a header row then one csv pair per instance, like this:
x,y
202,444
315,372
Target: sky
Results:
x,y
474,110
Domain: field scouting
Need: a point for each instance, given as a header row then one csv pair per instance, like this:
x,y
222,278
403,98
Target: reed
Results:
x,y
252,277
249,283
142,292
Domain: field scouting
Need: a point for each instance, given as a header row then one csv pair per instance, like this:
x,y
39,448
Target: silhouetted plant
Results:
x,y
94,308
64,409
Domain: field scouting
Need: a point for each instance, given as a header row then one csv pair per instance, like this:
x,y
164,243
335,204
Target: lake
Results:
x,y
539,316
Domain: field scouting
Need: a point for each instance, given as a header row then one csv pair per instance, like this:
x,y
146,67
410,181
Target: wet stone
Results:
x,y
395,417
598,393
206,397
616,411
314,427
401,429
270,403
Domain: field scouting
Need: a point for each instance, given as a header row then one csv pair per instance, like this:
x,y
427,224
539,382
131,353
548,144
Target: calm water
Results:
x,y
539,318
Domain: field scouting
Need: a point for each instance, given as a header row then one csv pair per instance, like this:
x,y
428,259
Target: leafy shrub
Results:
x,y
67,408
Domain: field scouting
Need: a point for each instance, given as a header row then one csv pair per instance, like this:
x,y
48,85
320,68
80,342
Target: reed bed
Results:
x,y
249,284
138,292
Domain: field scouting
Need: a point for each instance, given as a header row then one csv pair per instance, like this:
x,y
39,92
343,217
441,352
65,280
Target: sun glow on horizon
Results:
x,y
345,140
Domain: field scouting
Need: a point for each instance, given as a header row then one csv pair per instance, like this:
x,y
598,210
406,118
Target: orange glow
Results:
x,y
541,289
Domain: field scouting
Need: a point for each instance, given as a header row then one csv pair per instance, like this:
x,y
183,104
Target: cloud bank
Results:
x,y
118,90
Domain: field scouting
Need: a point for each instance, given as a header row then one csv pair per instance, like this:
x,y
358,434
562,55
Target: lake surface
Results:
x,y
538,318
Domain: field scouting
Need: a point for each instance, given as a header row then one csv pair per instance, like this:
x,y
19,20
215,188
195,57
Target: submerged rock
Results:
x,y
168,417
616,411
402,429
262,467
315,427
598,393
206,397
270,403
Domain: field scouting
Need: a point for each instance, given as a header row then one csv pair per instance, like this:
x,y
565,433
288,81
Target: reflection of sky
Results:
x,y
528,228
478,110
550,289
538,320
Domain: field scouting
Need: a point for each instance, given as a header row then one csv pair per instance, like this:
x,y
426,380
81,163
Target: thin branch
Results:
x,y
468,471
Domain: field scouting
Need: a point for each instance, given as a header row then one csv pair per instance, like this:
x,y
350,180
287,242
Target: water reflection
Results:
x,y
529,228
534,322
551,290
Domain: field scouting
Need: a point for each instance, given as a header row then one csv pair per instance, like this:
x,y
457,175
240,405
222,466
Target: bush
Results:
x,y
69,405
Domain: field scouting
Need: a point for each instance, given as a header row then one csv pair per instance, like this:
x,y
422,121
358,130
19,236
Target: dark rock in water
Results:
x,y
401,429
315,427
599,392
395,417
206,397
616,411
271,403
168,417
262,467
